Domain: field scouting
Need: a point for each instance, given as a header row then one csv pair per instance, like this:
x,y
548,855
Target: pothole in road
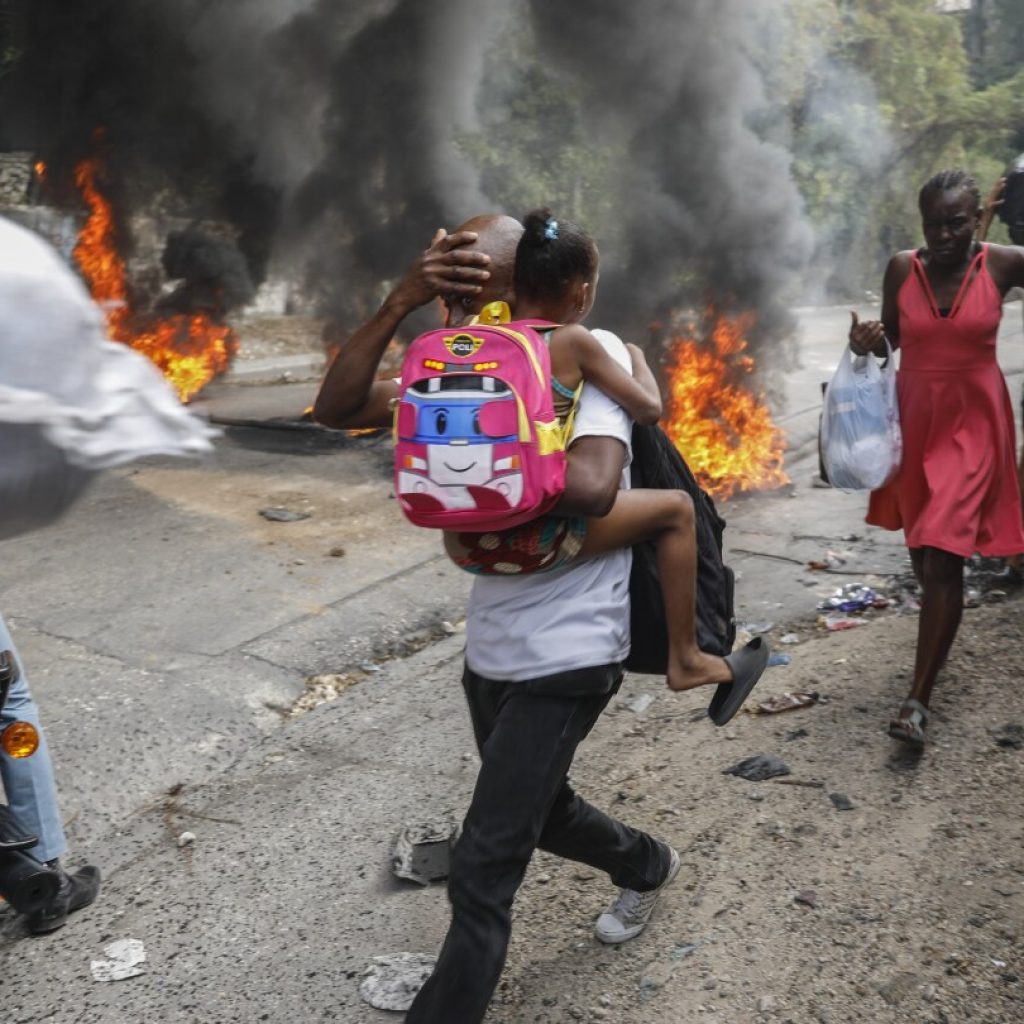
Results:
x,y
329,686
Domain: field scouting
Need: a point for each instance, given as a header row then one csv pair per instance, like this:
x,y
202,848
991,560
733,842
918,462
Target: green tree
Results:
x,y
932,112
531,148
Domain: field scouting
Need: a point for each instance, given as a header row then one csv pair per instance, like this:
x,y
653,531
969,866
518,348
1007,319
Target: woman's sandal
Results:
x,y
910,729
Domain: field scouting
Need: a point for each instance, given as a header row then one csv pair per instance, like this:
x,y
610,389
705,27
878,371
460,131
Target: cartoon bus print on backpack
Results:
x,y
461,448
477,442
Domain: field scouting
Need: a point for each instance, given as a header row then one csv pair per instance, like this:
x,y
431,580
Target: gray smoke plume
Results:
x,y
323,128
700,191
852,153
325,132
399,89
349,112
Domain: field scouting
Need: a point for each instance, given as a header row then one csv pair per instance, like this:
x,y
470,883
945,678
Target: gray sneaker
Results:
x,y
627,917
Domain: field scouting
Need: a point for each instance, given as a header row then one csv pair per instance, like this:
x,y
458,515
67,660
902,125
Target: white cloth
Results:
x,y
524,627
71,402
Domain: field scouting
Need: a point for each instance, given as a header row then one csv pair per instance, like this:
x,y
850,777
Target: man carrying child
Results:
x,y
543,653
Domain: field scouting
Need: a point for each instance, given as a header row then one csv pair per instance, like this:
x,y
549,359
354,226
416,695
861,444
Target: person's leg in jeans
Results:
x,y
29,781
31,791
527,742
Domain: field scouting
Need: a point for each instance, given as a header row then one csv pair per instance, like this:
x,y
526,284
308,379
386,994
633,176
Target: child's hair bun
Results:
x,y
539,227
551,253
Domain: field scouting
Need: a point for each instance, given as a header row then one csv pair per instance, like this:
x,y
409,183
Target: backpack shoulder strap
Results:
x,y
539,325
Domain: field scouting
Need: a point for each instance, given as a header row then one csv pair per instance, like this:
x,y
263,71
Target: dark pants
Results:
x,y
527,733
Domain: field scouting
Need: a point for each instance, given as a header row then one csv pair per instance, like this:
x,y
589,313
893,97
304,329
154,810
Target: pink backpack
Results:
x,y
477,444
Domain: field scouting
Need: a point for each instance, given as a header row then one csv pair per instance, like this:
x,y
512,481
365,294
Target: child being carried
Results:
x,y
556,277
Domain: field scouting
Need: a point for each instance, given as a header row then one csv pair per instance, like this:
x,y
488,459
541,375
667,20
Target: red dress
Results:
x,y
957,486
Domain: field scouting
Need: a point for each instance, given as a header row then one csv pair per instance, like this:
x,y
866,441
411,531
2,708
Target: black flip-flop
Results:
x,y
747,664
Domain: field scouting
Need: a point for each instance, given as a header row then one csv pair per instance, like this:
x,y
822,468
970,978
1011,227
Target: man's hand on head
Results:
x,y
445,269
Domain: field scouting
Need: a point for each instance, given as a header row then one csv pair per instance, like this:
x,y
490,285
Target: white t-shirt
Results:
x,y
524,627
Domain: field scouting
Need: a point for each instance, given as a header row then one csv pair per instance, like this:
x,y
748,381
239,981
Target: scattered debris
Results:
x,y
754,628
391,982
186,839
338,552
321,689
283,515
795,734
681,952
807,898
832,560
904,592
638,704
1010,736
854,597
834,623
775,659
655,976
423,852
841,801
987,581
124,959
758,768
789,638
806,783
786,702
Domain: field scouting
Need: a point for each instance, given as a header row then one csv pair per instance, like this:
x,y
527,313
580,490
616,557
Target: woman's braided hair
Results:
x,y
948,181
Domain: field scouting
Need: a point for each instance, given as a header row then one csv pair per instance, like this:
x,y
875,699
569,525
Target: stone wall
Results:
x,y
15,178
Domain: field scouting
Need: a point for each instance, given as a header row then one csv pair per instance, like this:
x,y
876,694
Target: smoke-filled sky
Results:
x,y
325,130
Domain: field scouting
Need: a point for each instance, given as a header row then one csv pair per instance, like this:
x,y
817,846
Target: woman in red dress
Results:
x,y
956,491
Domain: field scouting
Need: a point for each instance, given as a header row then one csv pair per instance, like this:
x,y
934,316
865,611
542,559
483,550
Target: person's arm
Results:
x,y
593,473
599,446
871,335
349,397
638,393
994,201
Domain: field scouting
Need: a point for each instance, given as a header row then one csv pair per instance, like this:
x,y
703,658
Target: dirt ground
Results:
x,y
907,907
264,337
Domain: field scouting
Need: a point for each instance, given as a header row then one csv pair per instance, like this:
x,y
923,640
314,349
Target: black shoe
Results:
x,y
76,891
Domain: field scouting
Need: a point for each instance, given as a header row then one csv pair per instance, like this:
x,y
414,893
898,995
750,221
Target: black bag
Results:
x,y
658,465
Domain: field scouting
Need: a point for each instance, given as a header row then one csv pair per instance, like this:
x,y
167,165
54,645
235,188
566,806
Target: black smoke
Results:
x,y
324,132
115,80
212,273
388,170
700,191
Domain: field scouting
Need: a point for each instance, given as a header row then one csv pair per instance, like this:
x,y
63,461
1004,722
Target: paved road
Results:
x,y
168,628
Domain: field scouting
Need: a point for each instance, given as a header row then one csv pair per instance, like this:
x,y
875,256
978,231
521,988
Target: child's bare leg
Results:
x,y
666,517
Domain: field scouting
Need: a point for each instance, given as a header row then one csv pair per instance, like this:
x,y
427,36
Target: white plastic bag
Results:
x,y
861,441
71,402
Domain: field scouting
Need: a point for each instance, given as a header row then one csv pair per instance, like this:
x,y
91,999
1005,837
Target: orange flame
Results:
x,y
724,431
190,350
